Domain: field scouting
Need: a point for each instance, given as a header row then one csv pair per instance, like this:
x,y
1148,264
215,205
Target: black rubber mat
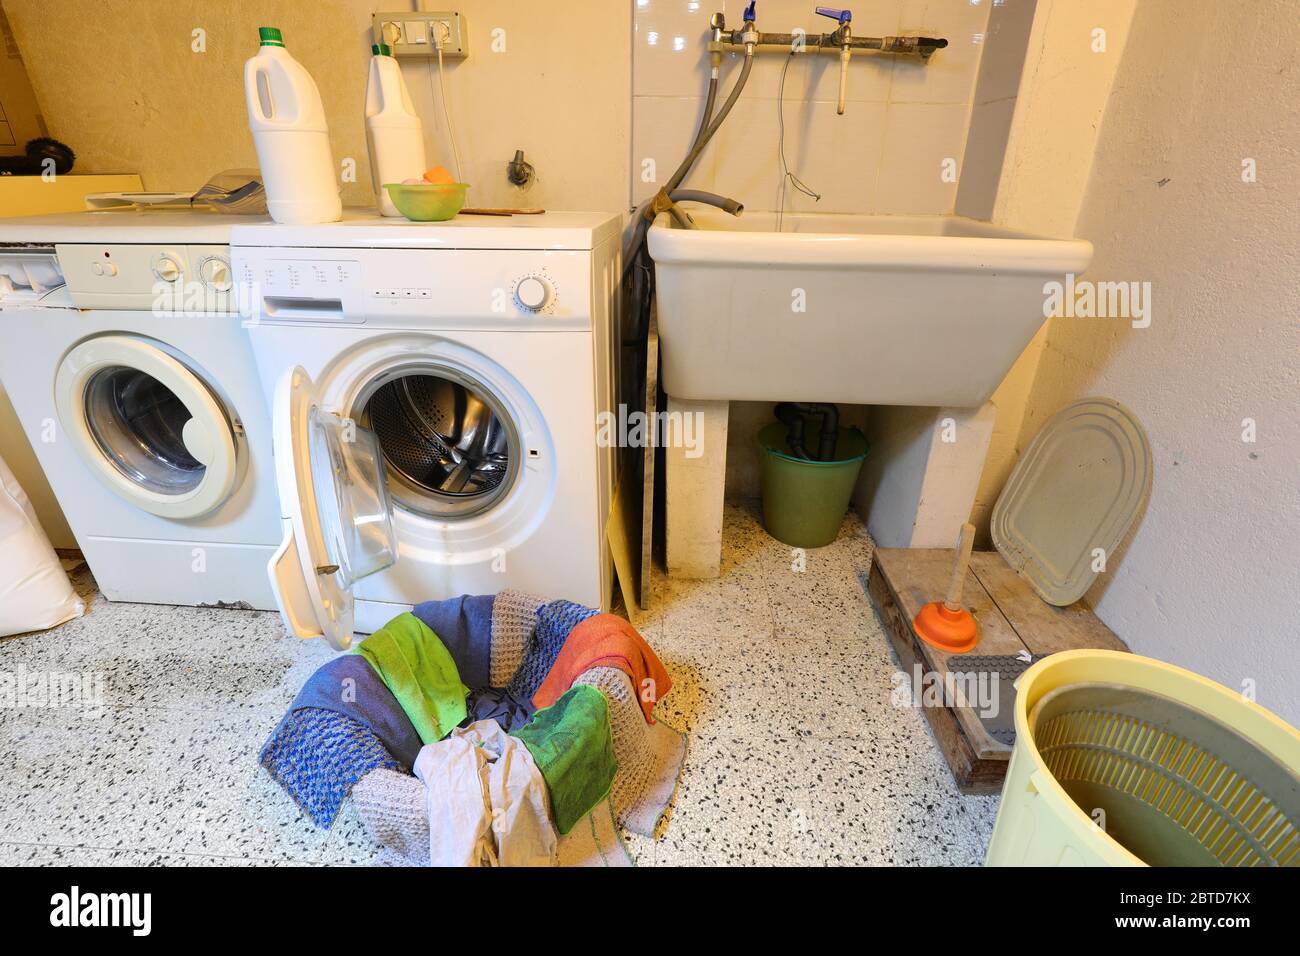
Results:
x,y
1005,669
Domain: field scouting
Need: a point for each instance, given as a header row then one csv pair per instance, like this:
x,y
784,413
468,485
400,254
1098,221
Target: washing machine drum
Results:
x,y
147,425
449,443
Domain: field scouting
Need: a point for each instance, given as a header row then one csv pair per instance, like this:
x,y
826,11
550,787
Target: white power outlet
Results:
x,y
417,34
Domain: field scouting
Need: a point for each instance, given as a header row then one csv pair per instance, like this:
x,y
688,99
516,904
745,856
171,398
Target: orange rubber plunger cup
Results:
x,y
946,624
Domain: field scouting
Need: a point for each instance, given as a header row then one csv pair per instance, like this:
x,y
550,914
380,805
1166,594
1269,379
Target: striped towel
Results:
x,y
317,755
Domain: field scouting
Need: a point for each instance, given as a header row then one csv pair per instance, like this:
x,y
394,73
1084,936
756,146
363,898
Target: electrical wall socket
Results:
x,y
415,34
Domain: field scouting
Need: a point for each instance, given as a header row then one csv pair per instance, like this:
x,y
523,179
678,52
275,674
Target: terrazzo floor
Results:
x,y
782,676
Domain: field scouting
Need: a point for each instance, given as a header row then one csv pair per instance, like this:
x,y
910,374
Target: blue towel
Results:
x,y
317,755
349,685
464,625
495,703
554,622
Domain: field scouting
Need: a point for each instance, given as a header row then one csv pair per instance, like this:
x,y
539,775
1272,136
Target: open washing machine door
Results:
x,y
337,516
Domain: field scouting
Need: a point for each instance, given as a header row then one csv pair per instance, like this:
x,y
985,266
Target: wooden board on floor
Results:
x,y
903,580
1044,629
918,574
974,771
631,524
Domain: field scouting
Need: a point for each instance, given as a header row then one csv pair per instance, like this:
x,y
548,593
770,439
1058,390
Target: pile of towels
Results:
x,y
486,730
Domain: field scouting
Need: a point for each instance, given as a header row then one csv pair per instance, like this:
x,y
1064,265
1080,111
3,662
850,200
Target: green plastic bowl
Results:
x,y
428,202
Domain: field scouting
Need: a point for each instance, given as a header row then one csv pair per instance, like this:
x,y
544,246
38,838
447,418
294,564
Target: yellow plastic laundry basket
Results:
x,y
1122,760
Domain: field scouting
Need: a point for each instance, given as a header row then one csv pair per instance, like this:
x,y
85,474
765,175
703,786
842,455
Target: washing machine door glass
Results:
x,y
139,425
338,524
347,472
148,425
449,443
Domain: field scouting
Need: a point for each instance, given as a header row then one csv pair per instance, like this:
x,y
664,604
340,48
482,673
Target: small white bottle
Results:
x,y
287,120
394,134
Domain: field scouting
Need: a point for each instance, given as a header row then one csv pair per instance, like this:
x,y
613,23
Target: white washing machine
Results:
x,y
435,392
122,350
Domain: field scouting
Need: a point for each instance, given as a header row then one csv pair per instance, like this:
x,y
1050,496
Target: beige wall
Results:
x,y
1210,576
118,81
20,119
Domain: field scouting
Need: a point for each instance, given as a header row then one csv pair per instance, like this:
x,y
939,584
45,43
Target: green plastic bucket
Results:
x,y
805,501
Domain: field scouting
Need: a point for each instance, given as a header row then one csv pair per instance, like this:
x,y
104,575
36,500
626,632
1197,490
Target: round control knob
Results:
x,y
215,273
166,268
533,293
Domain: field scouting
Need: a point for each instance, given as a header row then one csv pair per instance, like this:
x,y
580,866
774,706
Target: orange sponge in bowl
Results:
x,y
439,176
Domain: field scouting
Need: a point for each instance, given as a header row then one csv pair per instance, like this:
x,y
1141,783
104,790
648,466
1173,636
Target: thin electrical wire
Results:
x,y
786,175
446,110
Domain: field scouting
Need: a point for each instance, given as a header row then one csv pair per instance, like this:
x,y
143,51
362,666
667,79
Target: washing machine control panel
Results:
x,y
148,276
421,288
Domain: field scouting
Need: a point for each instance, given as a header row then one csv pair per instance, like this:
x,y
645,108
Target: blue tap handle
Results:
x,y
749,11
843,16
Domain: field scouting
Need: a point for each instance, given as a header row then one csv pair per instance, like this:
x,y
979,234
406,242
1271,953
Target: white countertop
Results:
x,y
365,229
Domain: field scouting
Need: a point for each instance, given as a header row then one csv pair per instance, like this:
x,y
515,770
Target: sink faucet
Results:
x,y
721,38
749,34
842,38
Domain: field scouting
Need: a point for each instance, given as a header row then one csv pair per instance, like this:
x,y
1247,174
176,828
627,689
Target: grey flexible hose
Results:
x,y
701,141
641,225
709,101
724,203
680,217
643,288
708,126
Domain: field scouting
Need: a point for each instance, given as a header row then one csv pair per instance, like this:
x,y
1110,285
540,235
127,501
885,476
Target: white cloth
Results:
x,y
35,593
486,800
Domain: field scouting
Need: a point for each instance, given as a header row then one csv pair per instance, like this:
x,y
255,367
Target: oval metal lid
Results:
x,y
1077,488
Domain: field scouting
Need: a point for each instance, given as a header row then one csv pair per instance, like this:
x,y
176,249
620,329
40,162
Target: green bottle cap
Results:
x,y
381,49
270,36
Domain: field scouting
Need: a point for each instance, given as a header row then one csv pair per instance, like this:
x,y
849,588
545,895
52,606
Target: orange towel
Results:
x,y
606,640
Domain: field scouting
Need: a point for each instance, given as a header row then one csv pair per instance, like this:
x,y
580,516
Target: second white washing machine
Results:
x,y
123,353
436,391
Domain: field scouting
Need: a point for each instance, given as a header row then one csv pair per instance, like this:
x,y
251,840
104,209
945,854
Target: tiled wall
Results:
x,y
884,155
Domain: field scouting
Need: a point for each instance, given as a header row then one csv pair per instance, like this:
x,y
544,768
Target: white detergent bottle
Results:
x,y
394,134
289,131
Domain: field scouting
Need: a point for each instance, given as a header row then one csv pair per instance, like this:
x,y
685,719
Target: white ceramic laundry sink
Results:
x,y
875,310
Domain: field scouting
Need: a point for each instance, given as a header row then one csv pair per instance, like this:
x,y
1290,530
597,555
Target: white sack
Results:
x,y
35,592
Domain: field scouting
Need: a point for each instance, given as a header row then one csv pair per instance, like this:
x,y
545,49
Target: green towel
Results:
x,y
417,667
573,747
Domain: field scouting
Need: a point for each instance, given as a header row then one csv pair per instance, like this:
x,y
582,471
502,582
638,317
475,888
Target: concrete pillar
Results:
x,y
696,476
918,484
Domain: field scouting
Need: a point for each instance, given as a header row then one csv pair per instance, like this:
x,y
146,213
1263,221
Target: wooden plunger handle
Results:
x,y
964,543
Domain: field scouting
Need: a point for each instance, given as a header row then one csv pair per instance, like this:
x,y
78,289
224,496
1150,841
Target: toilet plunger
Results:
x,y
946,624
